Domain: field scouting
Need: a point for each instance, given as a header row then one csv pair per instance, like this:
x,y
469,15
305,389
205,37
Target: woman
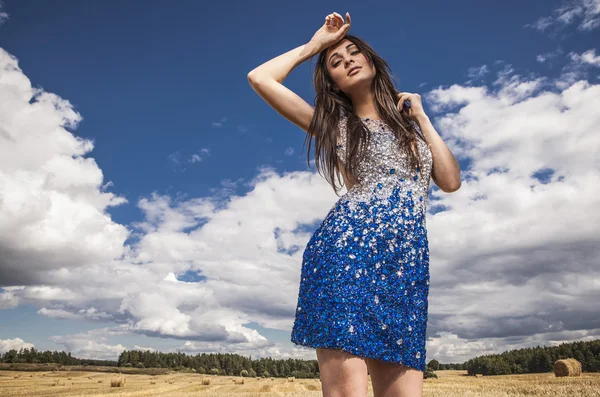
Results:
x,y
365,271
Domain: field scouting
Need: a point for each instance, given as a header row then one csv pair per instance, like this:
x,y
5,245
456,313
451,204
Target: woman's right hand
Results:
x,y
332,31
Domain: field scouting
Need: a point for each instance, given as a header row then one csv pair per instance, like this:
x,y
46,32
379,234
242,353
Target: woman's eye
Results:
x,y
352,53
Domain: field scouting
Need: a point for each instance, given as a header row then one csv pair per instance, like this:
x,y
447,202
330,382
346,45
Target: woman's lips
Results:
x,y
353,72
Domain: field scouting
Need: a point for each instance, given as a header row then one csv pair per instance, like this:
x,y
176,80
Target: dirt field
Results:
x,y
449,384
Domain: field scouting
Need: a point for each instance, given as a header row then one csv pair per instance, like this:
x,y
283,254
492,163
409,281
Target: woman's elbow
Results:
x,y
452,187
252,78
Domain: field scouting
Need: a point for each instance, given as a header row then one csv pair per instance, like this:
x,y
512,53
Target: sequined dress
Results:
x,y
364,282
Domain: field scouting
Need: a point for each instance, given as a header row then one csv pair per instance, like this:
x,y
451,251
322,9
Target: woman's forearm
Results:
x,y
281,66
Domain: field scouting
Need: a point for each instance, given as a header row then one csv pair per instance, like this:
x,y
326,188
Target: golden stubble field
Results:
x,y
449,384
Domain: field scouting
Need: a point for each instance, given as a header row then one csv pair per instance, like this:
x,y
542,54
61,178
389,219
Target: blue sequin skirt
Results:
x,y
364,282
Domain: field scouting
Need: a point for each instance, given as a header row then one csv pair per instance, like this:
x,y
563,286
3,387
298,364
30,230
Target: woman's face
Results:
x,y
341,60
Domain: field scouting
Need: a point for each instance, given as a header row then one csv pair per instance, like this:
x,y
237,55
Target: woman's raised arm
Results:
x,y
267,79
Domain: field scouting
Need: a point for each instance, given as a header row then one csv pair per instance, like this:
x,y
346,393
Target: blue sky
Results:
x,y
160,90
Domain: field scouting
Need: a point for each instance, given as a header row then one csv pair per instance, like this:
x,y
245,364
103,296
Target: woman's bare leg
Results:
x,y
394,380
342,374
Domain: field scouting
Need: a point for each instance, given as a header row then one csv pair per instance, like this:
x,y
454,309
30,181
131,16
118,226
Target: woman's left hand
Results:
x,y
416,106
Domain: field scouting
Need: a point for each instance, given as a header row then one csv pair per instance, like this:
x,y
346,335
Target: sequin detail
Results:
x,y
369,292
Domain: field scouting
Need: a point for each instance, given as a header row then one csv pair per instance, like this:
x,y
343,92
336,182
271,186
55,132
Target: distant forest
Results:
x,y
520,361
536,359
33,356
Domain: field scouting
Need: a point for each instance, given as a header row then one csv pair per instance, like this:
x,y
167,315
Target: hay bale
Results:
x,y
265,389
206,381
567,367
291,379
119,382
238,381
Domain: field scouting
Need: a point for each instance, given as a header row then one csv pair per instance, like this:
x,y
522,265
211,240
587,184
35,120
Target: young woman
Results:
x,y
365,271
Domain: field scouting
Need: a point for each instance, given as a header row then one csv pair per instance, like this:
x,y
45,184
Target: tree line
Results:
x,y
221,364
33,356
536,359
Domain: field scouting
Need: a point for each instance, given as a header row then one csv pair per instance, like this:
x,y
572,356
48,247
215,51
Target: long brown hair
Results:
x,y
329,105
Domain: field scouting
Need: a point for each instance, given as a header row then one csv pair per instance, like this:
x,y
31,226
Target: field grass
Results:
x,y
449,384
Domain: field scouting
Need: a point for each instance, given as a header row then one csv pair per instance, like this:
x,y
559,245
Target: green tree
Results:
x,y
434,365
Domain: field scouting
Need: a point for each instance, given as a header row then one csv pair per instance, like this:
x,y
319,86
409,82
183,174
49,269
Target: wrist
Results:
x,y
314,47
421,118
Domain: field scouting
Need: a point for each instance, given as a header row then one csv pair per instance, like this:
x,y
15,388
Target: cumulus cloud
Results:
x,y
65,255
514,249
246,251
89,345
16,344
53,209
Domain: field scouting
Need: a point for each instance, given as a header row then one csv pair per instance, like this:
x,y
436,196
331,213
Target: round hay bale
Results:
x,y
567,367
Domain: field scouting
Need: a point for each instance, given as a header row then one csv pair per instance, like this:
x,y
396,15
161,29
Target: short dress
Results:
x,y
364,282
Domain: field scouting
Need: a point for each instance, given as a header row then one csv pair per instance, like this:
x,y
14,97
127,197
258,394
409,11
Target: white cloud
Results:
x,y
16,344
220,123
275,351
588,58
548,57
89,345
9,297
3,15
584,13
54,216
478,72
289,151
201,155
177,160
89,313
143,348
513,254
449,348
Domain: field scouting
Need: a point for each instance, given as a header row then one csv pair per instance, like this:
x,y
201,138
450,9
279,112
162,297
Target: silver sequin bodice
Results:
x,y
385,167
